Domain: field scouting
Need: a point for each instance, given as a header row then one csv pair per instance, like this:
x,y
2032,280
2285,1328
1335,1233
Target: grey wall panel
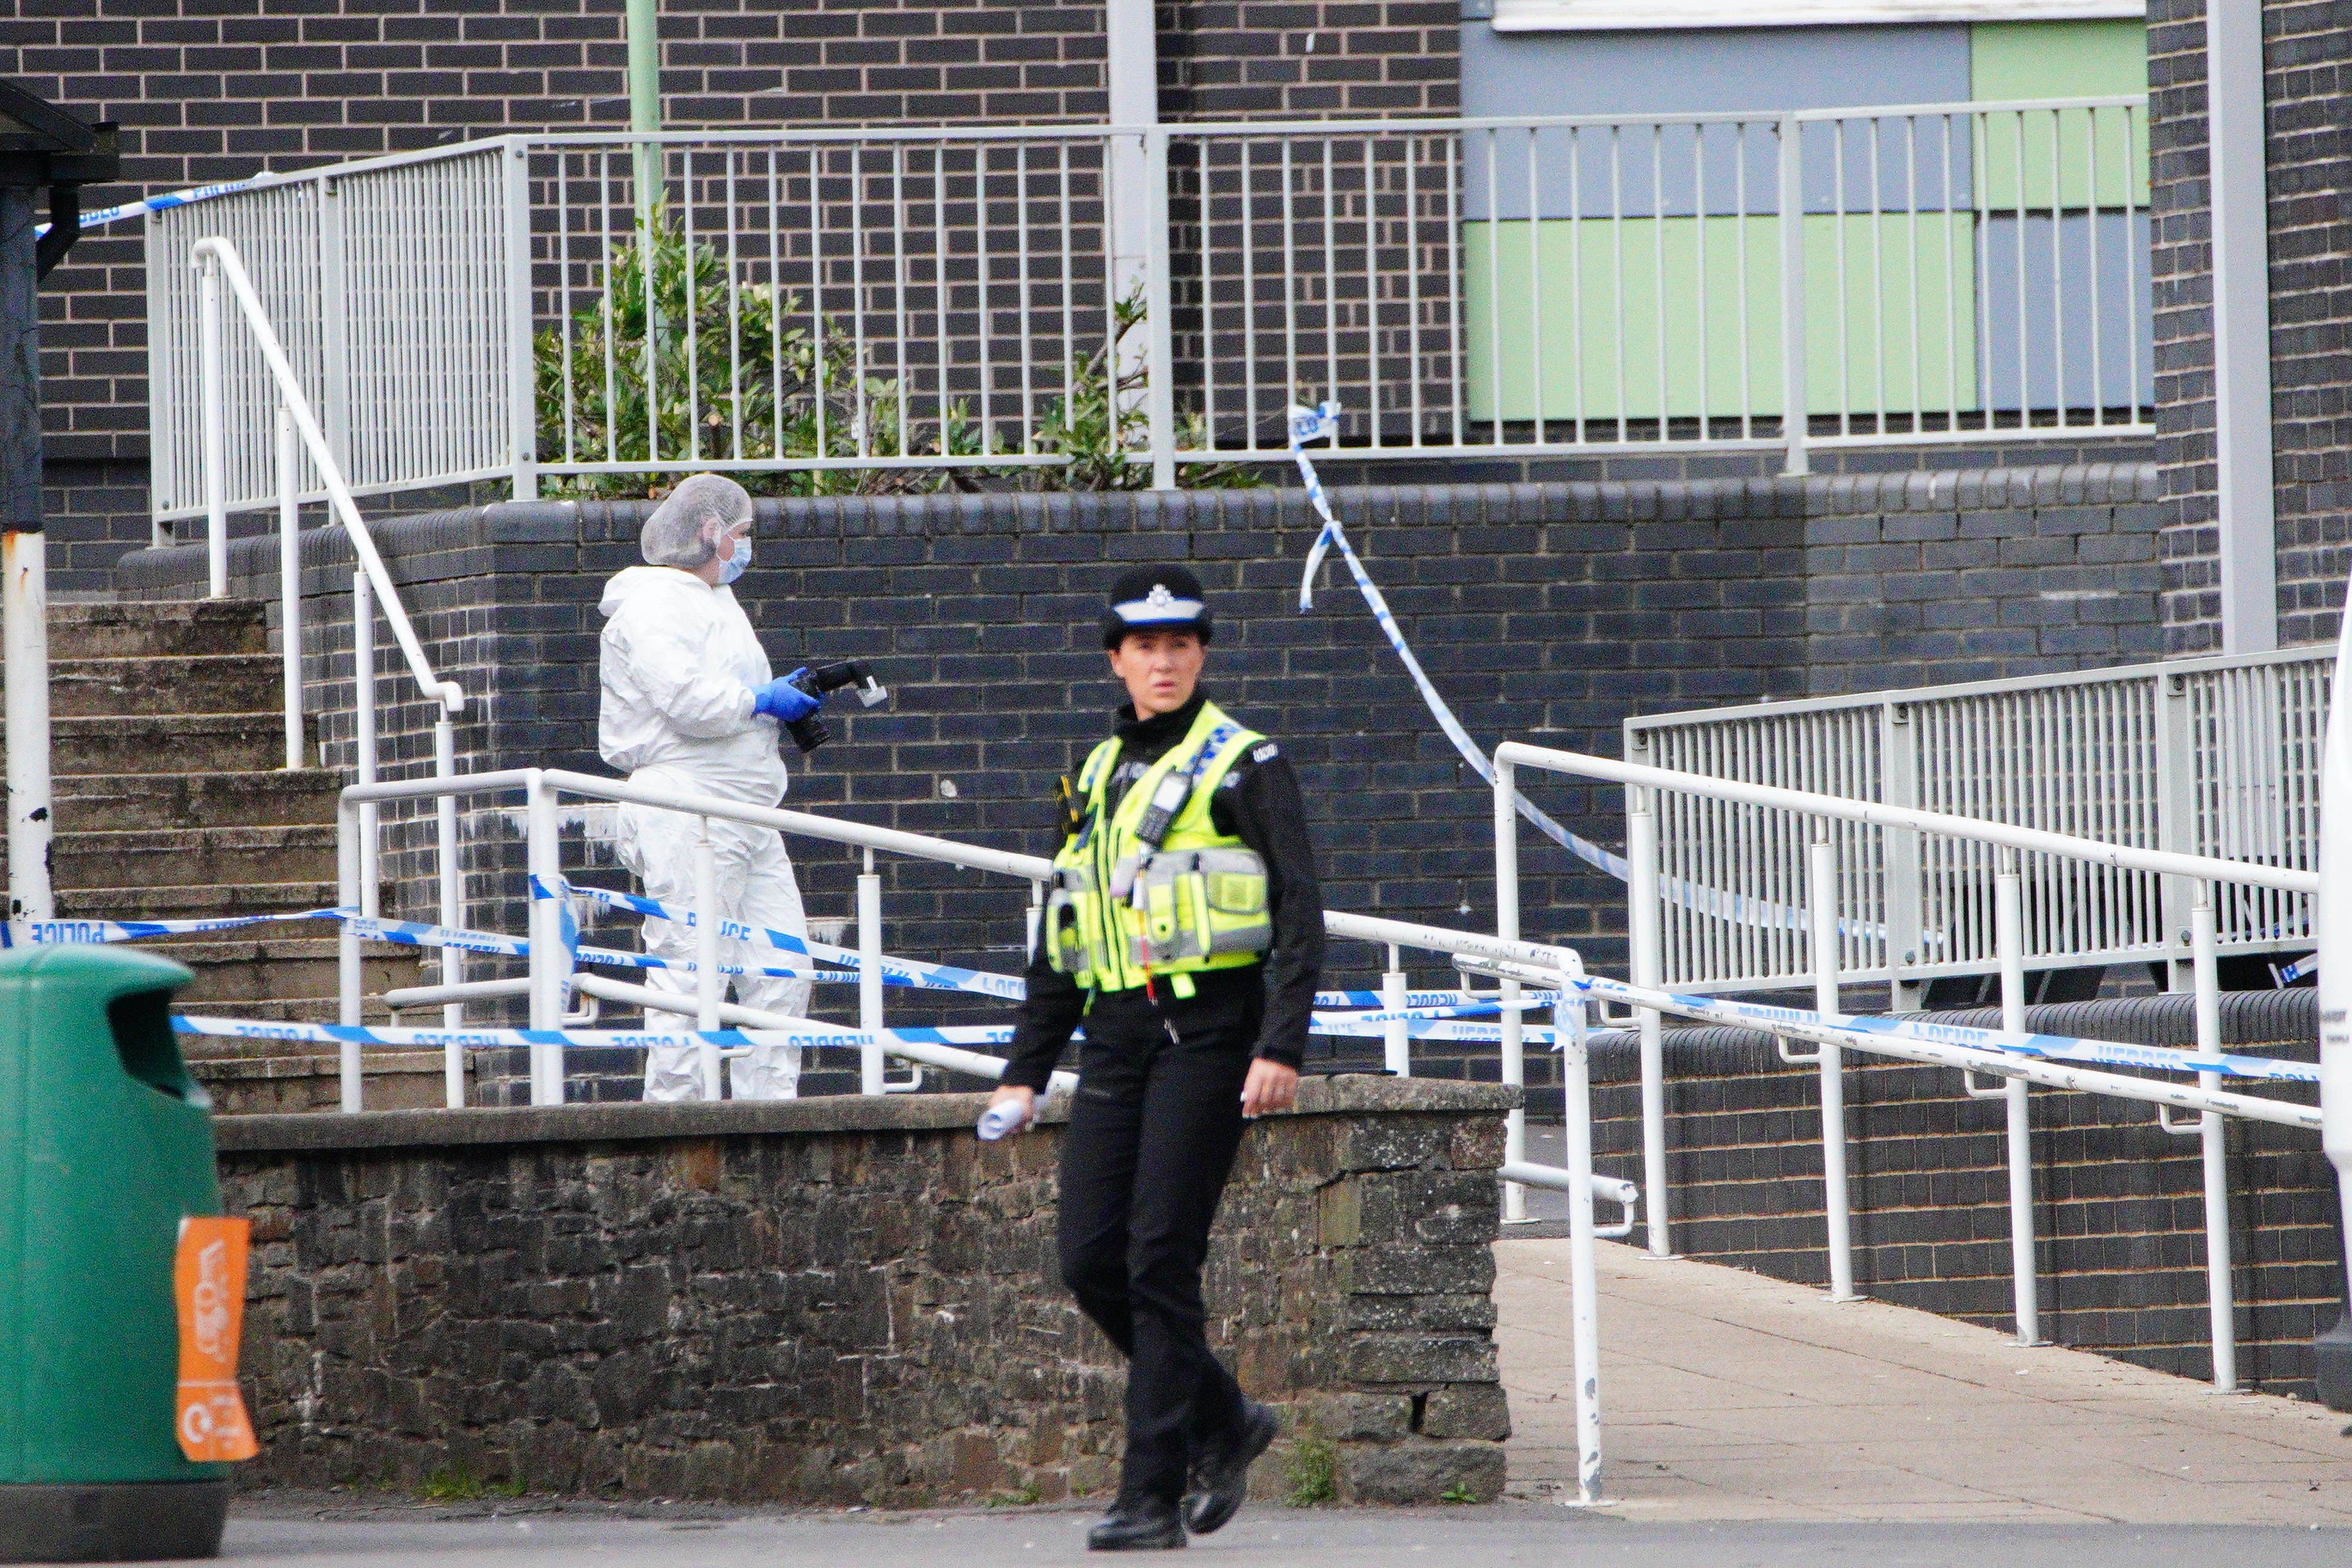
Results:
x,y
1710,70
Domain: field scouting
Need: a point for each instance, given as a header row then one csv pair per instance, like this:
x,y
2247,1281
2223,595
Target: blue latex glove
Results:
x,y
782,700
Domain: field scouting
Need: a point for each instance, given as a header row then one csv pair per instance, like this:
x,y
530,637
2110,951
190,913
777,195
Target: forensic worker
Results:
x,y
1185,930
689,704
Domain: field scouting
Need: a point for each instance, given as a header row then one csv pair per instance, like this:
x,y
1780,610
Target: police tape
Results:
x,y
2054,1047
1470,1003
1322,423
926,976
73,934
1362,1025
814,1034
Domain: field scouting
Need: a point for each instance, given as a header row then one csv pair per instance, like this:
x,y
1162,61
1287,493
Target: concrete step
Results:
x,y
197,683
106,802
193,901
230,973
169,743
280,1079
168,629
192,857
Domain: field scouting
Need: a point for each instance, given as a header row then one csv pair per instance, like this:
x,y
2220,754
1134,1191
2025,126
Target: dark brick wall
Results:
x,y
2307,45
1308,58
2120,1208
837,1301
1541,611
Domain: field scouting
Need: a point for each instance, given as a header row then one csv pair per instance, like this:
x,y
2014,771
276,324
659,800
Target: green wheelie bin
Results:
x,y
106,1142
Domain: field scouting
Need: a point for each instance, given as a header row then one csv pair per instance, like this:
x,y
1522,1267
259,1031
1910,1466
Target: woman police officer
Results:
x,y
1185,930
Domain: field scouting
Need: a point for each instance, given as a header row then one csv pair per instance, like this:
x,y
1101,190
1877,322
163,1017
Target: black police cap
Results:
x,y
1155,599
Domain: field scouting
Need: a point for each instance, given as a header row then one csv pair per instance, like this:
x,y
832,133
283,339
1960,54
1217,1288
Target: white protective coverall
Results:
x,y
678,665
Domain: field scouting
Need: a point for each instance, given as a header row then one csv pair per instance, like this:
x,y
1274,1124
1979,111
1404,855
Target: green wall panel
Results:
x,y
1620,323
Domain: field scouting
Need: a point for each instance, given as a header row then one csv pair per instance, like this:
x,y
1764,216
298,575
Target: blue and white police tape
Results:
x,y
1361,1026
926,976
166,201
70,933
813,1034
1322,423
2054,1047
1422,1000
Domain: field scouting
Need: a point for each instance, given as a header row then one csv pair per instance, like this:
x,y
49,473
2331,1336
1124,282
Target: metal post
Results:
x,y
709,984
1036,918
1642,914
2009,937
2176,764
208,364
1898,752
363,713
1159,392
290,586
453,900
2244,499
2213,1134
547,979
24,562
1822,891
1506,926
1795,396
869,977
643,33
348,978
1395,1042
522,435
1584,1284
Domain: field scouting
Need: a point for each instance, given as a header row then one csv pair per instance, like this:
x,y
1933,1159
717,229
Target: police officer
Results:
x,y
1185,929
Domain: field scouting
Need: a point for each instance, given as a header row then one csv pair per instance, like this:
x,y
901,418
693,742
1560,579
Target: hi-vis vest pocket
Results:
x,y
1199,903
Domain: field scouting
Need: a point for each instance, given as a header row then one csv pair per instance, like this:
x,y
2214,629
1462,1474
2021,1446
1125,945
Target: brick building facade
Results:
x,y
203,95
2308,62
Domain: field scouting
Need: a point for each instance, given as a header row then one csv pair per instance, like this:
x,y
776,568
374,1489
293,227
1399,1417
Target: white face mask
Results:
x,y
737,564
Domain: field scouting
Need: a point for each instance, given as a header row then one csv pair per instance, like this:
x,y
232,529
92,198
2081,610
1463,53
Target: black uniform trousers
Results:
x,y
1153,1129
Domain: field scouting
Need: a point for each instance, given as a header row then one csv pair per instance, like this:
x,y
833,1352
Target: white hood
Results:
x,y
678,669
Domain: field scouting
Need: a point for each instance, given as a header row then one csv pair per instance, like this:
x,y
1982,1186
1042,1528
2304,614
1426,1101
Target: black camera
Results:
x,y
810,732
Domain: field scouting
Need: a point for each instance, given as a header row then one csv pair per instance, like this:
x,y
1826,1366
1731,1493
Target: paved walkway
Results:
x,y
1727,1396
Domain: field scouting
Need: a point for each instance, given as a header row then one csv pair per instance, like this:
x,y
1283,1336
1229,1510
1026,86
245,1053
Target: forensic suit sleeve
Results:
x,y
1260,804
1048,1018
668,662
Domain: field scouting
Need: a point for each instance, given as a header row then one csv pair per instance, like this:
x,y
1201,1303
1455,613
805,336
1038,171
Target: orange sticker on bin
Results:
x,y
208,1281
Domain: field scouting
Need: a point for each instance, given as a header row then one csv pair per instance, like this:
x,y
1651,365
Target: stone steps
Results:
x,y
173,804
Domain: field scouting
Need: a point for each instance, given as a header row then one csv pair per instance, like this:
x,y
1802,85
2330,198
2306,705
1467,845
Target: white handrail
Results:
x,y
2164,862
1650,1000
222,254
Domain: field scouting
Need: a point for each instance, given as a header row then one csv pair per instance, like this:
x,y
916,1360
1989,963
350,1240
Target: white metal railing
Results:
x,y
924,297
1820,915
299,436
389,284
2215,757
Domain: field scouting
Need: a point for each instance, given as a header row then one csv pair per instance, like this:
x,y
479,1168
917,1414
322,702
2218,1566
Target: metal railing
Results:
x,y
818,299
1825,924
300,440
2215,757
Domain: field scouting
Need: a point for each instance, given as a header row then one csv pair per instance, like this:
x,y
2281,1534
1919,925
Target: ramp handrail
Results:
x,y
372,586
1828,930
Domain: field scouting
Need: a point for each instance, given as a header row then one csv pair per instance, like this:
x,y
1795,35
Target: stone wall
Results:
x,y
839,1302
2118,1201
1547,612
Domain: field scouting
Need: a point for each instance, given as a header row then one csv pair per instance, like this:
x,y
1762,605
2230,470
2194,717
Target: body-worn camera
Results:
x,y
810,732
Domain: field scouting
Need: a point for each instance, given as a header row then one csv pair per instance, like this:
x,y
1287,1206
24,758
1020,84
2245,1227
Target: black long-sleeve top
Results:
x,y
1259,802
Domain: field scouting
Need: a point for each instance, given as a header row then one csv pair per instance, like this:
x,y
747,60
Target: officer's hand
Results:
x,y
1016,1094
1271,1087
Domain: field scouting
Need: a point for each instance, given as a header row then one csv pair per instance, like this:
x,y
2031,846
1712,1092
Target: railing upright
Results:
x,y
1641,913
871,1067
2009,935
1795,394
1836,1202
210,393
1507,928
290,586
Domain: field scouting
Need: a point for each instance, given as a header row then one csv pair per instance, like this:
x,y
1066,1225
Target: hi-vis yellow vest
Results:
x,y
1123,912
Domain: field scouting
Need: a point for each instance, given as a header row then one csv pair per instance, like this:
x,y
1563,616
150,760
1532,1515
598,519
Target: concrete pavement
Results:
x,y
1728,1397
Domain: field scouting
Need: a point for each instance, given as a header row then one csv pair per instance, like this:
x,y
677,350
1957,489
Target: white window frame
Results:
x,y
1663,16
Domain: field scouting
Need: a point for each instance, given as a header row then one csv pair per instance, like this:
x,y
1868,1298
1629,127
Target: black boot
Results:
x,y
1147,1524
1221,1477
